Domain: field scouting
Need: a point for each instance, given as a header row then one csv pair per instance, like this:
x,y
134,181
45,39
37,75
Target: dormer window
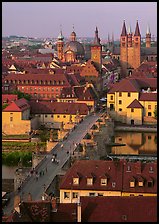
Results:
x,y
132,183
75,181
151,169
140,183
103,182
89,181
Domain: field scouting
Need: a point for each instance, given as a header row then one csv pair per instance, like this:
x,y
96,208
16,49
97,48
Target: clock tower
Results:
x,y
96,50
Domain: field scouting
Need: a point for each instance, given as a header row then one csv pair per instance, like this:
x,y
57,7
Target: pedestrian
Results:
x,y
40,173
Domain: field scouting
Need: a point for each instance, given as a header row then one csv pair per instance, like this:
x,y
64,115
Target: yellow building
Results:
x,y
16,118
63,112
131,100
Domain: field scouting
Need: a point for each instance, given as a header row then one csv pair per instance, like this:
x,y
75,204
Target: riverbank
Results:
x,y
135,128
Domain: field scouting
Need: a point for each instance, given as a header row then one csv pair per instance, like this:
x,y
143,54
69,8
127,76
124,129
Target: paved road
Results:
x,y
37,187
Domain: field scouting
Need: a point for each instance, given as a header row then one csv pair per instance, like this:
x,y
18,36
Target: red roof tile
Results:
x,y
8,98
17,106
135,104
148,97
119,209
44,107
98,168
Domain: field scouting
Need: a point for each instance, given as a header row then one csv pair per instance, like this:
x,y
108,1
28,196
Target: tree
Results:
x,y
4,106
155,113
22,95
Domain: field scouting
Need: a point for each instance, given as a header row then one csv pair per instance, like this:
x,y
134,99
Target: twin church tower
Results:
x,y
130,47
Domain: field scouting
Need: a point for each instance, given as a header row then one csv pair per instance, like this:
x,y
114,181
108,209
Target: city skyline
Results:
x,y
45,19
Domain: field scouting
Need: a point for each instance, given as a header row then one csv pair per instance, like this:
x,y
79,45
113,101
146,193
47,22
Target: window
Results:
x,y
45,115
11,118
58,116
120,94
120,109
52,115
150,183
151,169
111,97
92,194
66,195
149,137
100,194
149,107
140,183
131,194
104,181
123,38
123,44
64,116
113,184
149,114
132,110
120,139
132,183
75,195
136,39
120,101
89,181
76,180
129,94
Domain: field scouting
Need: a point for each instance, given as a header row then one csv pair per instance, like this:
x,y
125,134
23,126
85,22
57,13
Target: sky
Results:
x,y
44,19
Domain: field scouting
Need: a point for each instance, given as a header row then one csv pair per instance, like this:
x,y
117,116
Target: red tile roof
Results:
x,y
116,171
133,85
148,97
8,98
38,77
44,107
98,168
17,106
119,209
147,171
135,104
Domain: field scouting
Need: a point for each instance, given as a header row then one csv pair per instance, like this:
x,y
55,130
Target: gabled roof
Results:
x,y
17,106
125,85
44,107
135,104
97,168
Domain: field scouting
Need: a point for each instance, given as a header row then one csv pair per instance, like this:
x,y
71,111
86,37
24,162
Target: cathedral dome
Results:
x,y
74,46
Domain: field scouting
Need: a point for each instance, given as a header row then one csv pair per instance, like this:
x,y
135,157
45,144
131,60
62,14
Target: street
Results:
x,y
45,172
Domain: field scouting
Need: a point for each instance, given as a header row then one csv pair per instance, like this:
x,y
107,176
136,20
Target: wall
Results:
x,y
136,116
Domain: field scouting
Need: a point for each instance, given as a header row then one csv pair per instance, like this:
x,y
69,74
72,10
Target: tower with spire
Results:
x,y
60,45
130,48
96,50
123,49
137,47
148,37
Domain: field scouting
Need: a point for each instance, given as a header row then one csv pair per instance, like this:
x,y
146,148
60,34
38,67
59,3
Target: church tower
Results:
x,y
148,37
137,47
60,45
130,49
96,50
123,49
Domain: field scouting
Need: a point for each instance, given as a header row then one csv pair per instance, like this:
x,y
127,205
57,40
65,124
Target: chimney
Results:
x,y
16,203
78,211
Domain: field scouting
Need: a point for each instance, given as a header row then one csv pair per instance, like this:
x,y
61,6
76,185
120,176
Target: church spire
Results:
x,y
137,30
129,29
124,33
96,38
148,30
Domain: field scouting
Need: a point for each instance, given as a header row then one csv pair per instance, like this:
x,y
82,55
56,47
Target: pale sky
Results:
x,y
43,19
